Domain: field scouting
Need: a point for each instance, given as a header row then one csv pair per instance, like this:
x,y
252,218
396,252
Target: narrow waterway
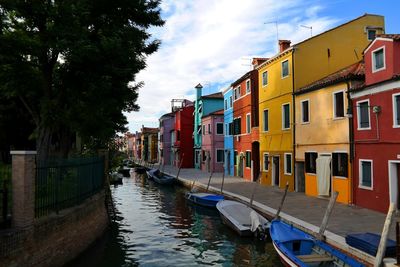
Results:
x,y
157,227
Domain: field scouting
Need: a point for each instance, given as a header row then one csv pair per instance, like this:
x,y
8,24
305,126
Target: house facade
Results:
x,y
376,126
149,141
165,154
228,132
137,145
322,134
212,151
245,125
203,106
183,145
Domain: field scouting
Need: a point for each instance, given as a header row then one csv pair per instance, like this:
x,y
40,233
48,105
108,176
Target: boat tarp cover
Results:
x,y
369,242
282,232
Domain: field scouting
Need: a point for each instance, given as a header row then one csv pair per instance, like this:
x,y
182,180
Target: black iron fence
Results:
x,y
64,183
5,196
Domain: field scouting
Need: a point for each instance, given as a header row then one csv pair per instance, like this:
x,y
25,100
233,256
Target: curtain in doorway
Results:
x,y
323,175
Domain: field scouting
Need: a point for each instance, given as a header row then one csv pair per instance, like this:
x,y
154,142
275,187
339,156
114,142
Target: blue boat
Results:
x,y
159,177
204,199
369,243
297,248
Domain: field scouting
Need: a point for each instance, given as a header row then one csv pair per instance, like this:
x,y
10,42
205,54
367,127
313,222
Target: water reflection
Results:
x,y
157,227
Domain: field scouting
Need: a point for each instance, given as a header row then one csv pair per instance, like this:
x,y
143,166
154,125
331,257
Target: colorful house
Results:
x,y
183,145
296,67
376,126
228,131
149,140
165,154
203,106
212,149
322,134
245,125
137,145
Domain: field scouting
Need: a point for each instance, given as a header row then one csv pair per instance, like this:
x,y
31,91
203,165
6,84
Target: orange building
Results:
x,y
245,123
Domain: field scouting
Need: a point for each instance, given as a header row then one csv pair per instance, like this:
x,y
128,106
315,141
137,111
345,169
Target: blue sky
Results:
x,y
212,42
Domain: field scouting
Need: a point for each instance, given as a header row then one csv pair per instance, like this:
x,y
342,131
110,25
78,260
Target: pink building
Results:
x,y
213,142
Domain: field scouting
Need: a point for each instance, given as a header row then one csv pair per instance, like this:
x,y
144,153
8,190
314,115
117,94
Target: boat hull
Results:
x,y
163,179
203,199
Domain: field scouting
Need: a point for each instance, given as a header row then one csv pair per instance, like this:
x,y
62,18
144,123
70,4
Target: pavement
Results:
x,y
302,211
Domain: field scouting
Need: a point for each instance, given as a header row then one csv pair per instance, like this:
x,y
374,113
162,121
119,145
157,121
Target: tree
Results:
x,y
72,63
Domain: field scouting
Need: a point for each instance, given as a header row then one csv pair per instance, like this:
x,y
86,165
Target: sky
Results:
x,y
212,42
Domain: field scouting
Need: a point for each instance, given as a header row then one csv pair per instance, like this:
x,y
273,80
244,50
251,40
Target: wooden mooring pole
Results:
x,y
328,212
209,180
223,179
180,165
252,195
385,232
282,201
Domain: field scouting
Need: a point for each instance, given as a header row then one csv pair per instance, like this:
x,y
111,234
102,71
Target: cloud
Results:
x,y
212,42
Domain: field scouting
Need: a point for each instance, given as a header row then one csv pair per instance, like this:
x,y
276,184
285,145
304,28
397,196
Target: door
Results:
x,y
255,154
324,177
394,182
300,179
275,170
197,158
228,163
241,165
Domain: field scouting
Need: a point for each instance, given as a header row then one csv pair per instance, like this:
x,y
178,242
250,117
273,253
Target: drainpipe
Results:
x,y
294,124
351,145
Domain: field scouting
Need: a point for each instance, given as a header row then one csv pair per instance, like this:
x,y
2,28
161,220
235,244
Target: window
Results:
x,y
230,101
285,116
365,174
204,129
248,86
226,129
371,34
220,155
237,126
235,157
230,128
220,128
265,120
285,68
236,93
265,161
209,128
311,162
248,159
264,78
363,115
248,123
339,164
396,110
305,113
225,104
378,59
288,163
338,105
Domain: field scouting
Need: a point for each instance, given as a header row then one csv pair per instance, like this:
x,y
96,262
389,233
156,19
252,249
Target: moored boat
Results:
x,y
160,177
140,169
204,199
297,248
242,219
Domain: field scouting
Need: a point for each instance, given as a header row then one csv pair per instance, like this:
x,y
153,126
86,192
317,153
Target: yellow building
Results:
x,y
322,133
292,69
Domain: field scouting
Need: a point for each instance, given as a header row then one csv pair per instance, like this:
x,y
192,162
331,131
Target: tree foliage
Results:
x,y
72,64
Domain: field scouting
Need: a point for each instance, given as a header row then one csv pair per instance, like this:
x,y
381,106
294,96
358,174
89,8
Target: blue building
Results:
x,y
203,106
228,131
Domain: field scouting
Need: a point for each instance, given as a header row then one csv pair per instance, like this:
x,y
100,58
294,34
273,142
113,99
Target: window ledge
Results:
x,y
365,187
305,122
338,118
363,129
340,177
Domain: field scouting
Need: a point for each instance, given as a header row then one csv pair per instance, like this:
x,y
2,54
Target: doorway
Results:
x,y
228,163
394,183
300,179
197,158
324,175
275,170
255,153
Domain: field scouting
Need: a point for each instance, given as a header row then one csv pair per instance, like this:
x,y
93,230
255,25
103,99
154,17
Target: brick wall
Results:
x,y
56,239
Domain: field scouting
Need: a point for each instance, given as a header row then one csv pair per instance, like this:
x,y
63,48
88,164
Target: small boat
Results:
x,y
242,219
297,248
140,169
160,177
369,243
124,171
204,199
115,178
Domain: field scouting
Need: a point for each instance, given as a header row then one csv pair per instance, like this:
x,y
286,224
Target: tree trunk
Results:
x,y
43,143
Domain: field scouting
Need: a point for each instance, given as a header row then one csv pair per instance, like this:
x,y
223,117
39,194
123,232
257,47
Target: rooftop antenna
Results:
x,y
307,27
277,31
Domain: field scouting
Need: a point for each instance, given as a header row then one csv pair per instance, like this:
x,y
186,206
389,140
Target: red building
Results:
x,y
376,126
183,145
245,122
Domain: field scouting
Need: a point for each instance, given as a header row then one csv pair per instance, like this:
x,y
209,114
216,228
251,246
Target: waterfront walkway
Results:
x,y
299,209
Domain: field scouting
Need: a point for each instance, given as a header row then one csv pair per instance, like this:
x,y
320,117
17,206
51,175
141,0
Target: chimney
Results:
x,y
258,60
283,45
198,91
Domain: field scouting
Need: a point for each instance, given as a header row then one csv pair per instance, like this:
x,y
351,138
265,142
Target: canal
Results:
x,y
157,227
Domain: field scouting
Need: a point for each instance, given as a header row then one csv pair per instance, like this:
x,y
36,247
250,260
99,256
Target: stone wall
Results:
x,y
55,239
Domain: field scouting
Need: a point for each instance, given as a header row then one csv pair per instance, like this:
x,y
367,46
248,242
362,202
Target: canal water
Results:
x,y
156,226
